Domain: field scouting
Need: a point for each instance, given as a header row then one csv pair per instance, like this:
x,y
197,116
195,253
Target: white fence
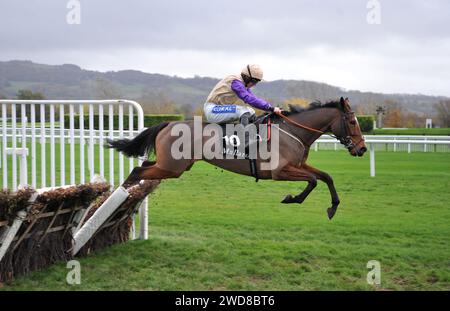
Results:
x,y
16,141
20,141
427,143
395,143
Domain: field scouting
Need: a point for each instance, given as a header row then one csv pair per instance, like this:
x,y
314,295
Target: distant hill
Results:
x,y
71,82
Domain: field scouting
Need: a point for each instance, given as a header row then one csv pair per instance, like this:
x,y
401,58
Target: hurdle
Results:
x,y
43,227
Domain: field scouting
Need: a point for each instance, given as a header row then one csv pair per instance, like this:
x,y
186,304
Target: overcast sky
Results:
x,y
328,41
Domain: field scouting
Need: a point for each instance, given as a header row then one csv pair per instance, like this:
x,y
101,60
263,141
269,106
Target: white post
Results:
x,y
33,146
23,164
91,142
121,173
62,143
4,143
52,147
81,122
372,160
23,167
11,233
72,143
100,127
14,147
43,158
131,161
143,215
100,216
111,151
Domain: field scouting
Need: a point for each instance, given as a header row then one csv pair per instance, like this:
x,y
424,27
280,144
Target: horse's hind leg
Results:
x,y
151,170
298,174
148,163
329,181
133,177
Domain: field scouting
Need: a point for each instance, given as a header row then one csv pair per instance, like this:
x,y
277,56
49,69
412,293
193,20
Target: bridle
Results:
x,y
345,139
348,117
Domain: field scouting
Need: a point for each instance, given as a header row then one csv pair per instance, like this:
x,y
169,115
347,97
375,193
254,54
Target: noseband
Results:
x,y
346,139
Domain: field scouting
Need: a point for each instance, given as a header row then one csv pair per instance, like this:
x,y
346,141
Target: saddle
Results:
x,y
232,143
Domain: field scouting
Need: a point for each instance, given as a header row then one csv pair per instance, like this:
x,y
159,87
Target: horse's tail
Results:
x,y
140,145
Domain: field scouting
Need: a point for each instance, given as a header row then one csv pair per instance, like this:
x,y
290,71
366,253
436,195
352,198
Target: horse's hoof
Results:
x,y
331,211
288,199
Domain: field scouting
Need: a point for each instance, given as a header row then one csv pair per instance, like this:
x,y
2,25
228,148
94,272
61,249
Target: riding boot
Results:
x,y
245,120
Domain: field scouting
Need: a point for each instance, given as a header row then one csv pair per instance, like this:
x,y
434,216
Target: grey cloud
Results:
x,y
217,25
412,43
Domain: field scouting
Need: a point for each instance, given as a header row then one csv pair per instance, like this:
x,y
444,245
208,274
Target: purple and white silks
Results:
x,y
248,97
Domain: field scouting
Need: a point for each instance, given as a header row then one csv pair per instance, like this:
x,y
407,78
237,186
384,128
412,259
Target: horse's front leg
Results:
x,y
291,172
329,181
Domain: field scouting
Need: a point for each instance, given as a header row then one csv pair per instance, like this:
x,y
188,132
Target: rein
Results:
x,y
298,124
346,140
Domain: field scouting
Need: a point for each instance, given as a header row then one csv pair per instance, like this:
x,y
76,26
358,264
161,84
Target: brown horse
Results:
x,y
298,129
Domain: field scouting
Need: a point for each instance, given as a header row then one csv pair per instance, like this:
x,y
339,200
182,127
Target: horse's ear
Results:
x,y
346,105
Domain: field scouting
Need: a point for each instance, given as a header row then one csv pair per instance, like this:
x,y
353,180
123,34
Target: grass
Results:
x,y
412,131
214,230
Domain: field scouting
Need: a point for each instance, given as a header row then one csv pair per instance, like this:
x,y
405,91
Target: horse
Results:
x,y
298,129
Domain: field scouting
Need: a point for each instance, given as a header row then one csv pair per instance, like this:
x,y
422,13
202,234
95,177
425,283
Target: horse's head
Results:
x,y
347,130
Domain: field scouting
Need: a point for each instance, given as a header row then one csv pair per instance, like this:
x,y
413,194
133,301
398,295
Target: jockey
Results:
x,y
225,102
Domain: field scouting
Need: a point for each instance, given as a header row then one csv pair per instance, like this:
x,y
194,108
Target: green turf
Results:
x,y
214,230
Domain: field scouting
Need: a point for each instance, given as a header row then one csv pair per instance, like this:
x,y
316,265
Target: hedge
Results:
x,y
149,120
366,123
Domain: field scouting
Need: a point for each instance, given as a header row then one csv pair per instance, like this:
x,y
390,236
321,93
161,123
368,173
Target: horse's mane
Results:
x,y
312,106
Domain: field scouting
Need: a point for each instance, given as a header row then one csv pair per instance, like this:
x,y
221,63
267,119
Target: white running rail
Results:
x,y
372,141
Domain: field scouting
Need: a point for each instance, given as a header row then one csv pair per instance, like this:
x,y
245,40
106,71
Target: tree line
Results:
x,y
159,103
